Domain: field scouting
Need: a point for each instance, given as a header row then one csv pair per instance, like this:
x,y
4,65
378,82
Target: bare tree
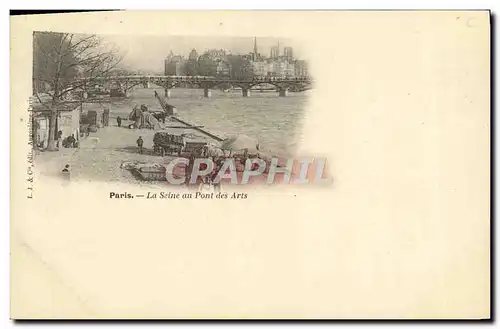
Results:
x,y
68,63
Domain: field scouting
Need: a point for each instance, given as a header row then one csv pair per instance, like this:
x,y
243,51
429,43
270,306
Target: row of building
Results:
x,y
219,62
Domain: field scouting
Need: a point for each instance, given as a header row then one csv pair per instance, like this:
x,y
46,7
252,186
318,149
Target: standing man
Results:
x,y
140,142
59,138
119,121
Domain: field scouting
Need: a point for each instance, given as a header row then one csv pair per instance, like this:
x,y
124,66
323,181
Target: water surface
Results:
x,y
276,122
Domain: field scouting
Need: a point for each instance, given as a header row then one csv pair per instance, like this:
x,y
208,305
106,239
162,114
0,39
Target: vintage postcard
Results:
x,y
250,165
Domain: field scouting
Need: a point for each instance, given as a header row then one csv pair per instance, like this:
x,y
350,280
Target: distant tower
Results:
x,y
170,55
275,51
255,49
288,53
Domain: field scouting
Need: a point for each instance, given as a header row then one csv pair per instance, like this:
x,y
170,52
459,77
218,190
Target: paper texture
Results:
x,y
400,108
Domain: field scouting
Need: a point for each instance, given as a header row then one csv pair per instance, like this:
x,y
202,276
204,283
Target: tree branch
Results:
x,y
43,104
45,51
70,54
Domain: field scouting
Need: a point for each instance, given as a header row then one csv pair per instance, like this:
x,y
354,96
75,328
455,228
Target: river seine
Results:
x,y
276,122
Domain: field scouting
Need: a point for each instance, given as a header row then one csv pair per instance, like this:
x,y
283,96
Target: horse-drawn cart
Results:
x,y
165,143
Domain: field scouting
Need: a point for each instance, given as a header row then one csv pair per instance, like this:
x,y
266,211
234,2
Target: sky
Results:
x,y
148,52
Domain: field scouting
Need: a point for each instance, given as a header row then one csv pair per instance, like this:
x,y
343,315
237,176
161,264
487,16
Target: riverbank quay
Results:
x,y
100,155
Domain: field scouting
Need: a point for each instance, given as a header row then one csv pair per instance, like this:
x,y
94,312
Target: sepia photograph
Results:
x,y
121,108
251,165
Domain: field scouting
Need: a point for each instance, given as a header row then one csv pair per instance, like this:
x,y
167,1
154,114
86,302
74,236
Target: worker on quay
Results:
x,y
119,121
140,142
66,169
65,174
59,138
70,141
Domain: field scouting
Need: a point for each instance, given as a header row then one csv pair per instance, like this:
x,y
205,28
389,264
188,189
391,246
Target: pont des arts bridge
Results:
x,y
282,85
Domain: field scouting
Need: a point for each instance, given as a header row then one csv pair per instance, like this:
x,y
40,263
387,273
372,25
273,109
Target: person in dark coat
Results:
x,y
66,174
71,141
140,142
119,121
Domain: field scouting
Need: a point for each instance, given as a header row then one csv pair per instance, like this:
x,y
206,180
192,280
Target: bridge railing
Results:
x,y
180,77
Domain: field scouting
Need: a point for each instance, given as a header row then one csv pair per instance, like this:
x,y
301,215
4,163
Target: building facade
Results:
x,y
216,54
301,69
67,121
40,126
206,65
219,62
193,55
223,69
175,66
260,68
281,69
289,70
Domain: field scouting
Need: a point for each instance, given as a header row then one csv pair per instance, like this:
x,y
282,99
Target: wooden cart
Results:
x,y
194,148
165,143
